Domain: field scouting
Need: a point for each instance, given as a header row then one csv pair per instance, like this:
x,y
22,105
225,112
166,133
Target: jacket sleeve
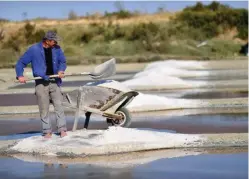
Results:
x,y
62,61
23,62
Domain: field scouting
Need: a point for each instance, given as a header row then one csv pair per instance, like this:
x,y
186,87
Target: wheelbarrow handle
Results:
x,y
56,76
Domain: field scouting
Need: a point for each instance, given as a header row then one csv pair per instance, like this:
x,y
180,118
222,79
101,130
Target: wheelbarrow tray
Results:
x,y
99,98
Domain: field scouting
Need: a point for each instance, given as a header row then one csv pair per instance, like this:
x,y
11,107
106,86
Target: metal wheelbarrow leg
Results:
x,y
88,115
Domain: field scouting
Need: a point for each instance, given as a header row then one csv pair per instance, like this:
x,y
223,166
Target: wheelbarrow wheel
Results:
x,y
124,122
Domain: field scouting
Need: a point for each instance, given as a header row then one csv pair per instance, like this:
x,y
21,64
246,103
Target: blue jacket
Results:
x,y
35,55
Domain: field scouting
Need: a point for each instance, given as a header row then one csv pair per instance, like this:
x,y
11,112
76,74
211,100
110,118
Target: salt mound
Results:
x,y
155,79
166,74
102,142
177,64
148,102
171,71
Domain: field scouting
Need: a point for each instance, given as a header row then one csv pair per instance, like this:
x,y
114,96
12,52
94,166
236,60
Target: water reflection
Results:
x,y
213,162
52,169
113,161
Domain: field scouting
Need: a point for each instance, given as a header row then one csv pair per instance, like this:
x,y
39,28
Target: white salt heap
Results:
x,y
101,142
147,102
168,75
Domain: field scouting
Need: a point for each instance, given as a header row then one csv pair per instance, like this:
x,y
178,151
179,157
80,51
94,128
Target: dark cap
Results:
x,y
51,35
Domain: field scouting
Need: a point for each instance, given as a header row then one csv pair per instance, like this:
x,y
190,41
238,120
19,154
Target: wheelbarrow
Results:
x,y
107,98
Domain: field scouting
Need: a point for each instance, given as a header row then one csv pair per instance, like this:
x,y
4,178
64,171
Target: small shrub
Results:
x,y
87,36
101,49
121,14
69,51
225,48
72,15
73,61
141,59
8,57
37,36
14,42
3,20
155,58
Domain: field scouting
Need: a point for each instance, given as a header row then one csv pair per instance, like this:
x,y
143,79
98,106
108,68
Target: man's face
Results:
x,y
51,43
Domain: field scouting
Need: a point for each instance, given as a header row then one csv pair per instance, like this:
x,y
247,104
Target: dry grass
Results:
x,y
13,27
55,23
230,35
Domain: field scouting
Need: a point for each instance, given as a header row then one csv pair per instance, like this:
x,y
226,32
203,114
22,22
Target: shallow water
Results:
x,y
206,123
234,74
216,95
25,99
198,94
221,164
199,123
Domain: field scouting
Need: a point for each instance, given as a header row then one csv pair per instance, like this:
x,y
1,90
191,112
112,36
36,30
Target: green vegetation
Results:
x,y
215,18
140,42
25,36
122,14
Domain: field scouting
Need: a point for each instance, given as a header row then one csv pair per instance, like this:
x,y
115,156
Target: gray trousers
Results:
x,y
46,91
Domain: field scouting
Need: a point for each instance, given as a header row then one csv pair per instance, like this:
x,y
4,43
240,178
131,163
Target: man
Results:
x,y
46,58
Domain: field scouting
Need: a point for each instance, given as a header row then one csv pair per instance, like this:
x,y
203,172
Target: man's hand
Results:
x,y
21,79
61,74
